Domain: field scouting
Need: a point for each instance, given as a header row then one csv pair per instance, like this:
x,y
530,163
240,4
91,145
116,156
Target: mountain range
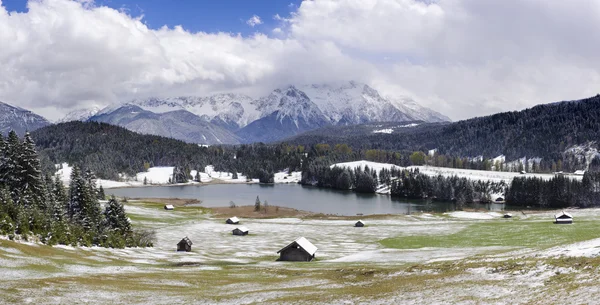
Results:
x,y
229,118
234,118
19,120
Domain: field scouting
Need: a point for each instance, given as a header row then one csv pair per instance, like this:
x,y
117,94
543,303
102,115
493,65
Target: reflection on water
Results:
x,y
295,196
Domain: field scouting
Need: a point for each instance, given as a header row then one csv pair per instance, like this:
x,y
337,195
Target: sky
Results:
x,y
463,58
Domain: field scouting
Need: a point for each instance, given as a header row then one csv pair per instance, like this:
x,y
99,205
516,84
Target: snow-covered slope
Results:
x,y
229,110
416,111
284,113
350,103
80,114
19,120
179,124
290,110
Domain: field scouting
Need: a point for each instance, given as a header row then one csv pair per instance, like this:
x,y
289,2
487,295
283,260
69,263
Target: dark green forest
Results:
x,y
544,131
36,205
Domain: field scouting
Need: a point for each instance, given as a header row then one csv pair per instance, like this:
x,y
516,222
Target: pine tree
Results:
x,y
31,168
115,218
257,204
101,194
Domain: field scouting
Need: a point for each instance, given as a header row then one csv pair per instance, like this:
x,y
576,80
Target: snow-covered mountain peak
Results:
x,y
80,114
18,119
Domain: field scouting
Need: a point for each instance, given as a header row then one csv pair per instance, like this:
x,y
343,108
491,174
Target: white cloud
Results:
x,y
254,21
462,57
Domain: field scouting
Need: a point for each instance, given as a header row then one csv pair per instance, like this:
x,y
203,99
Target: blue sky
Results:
x,y
196,15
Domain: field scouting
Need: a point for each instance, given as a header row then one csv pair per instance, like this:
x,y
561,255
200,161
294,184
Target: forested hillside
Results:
x,y
543,131
109,150
33,203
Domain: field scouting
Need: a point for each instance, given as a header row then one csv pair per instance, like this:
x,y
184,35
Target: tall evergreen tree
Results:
x,y
115,217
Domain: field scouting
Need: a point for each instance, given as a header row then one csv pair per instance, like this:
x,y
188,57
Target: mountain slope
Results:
x,y
231,111
352,103
19,120
544,131
180,124
416,111
79,115
286,113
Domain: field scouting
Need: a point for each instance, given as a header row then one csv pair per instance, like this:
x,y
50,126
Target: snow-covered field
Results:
x,y
470,174
161,176
352,265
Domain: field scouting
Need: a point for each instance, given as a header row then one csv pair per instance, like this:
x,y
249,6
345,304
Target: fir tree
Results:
x,y
115,217
257,204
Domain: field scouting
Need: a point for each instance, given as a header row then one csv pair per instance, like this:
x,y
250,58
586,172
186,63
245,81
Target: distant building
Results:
x,y
359,223
579,172
232,221
185,245
240,231
300,250
169,207
507,215
563,218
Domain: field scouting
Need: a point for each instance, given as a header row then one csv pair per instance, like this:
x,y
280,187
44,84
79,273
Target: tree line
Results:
x,y
557,192
36,205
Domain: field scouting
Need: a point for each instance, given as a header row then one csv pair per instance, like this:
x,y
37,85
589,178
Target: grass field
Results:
x,y
417,259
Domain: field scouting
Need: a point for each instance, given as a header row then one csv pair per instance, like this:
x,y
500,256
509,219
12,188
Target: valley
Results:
x,y
394,259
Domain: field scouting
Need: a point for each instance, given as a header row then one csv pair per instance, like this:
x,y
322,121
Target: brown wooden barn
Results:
x,y
300,250
240,231
185,245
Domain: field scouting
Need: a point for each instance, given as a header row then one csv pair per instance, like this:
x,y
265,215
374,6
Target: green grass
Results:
x,y
538,234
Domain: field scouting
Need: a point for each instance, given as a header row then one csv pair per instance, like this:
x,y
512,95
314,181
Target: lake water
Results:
x,y
295,196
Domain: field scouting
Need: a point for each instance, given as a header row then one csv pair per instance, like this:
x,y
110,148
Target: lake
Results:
x,y
294,196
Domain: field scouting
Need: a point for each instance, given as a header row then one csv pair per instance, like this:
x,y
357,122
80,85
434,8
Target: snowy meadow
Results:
x,y
457,257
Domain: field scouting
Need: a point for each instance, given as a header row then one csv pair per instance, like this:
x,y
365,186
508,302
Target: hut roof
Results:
x,y
302,243
563,214
169,207
234,219
186,240
361,222
243,229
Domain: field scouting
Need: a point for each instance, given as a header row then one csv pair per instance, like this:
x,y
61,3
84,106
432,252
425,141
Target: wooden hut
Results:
x,y
359,224
232,221
185,245
169,207
240,231
563,218
507,215
300,250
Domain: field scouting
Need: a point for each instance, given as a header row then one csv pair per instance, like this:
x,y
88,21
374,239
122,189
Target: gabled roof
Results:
x,y
563,214
304,244
233,219
243,229
360,222
186,240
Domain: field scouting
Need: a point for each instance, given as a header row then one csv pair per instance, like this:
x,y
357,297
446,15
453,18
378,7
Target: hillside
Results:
x,y
544,131
19,120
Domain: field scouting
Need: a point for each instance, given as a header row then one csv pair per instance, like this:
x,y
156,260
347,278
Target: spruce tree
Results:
x,y
257,204
115,218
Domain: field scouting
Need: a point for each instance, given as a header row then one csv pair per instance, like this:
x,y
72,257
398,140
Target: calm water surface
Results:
x,y
295,196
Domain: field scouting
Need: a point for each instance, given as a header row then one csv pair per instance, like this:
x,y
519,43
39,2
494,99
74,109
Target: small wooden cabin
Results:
x,y
185,245
240,231
563,218
300,250
508,215
169,207
232,221
359,224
